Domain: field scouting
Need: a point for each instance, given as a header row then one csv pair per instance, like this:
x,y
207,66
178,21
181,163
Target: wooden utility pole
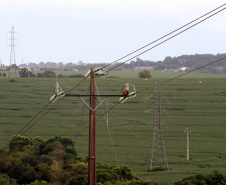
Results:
x,y
187,143
92,180
92,131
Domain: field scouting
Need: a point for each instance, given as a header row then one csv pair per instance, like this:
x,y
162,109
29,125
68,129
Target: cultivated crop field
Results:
x,y
186,104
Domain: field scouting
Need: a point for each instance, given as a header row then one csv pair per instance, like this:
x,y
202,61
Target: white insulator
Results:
x,y
56,87
126,87
99,71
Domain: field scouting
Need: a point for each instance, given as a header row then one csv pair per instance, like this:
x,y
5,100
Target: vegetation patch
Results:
x,y
13,80
158,168
214,178
32,160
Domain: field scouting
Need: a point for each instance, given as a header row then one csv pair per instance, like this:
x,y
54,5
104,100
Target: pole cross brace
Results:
x,y
89,106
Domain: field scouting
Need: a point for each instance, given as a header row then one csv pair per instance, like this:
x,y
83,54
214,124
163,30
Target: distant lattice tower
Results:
x,y
157,155
12,64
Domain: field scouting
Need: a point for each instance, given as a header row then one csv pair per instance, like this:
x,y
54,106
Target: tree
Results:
x,y
14,66
5,180
24,72
36,161
44,172
47,74
145,74
212,179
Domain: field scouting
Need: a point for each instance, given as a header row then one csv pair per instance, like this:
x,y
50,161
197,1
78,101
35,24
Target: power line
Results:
x,y
163,36
160,83
4,148
166,39
20,132
162,41
75,137
121,64
127,61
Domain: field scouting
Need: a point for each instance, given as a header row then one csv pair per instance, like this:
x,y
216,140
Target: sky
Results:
x,y
102,31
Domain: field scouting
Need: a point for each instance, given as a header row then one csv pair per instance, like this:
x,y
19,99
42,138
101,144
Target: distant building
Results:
x,y
3,68
183,68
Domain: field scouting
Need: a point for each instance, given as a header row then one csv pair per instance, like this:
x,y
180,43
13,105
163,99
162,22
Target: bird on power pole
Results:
x,y
187,143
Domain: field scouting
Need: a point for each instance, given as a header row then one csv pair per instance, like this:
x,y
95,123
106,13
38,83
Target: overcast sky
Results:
x,y
105,30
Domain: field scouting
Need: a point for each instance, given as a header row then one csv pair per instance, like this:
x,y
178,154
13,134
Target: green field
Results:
x,y
186,104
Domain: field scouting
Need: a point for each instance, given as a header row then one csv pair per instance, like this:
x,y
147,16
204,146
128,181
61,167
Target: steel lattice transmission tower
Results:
x,y
157,155
12,64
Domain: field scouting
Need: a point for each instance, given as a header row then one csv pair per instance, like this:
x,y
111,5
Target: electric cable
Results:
x,y
163,36
160,83
114,68
136,93
4,148
166,40
82,114
52,107
116,158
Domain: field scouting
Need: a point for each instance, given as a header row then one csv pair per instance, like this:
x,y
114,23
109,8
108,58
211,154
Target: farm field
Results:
x,y
186,104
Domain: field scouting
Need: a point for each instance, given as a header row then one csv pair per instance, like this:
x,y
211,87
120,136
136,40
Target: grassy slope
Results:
x,y
200,107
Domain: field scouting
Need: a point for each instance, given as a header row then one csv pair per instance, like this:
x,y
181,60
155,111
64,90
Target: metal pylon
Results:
x,y
157,155
12,64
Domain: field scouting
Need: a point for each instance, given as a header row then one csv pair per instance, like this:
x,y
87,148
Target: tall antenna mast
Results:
x,y
12,64
157,156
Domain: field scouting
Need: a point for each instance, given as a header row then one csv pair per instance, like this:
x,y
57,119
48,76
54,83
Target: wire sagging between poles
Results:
x,y
164,36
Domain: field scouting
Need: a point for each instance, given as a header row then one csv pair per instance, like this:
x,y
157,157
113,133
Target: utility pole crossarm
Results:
x,y
95,95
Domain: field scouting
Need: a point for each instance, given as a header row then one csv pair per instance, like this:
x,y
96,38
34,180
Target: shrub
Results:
x,y
77,76
157,168
13,80
144,74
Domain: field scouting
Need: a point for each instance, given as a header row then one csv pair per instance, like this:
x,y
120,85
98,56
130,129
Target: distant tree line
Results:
x,y
169,63
25,73
60,66
188,61
194,62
